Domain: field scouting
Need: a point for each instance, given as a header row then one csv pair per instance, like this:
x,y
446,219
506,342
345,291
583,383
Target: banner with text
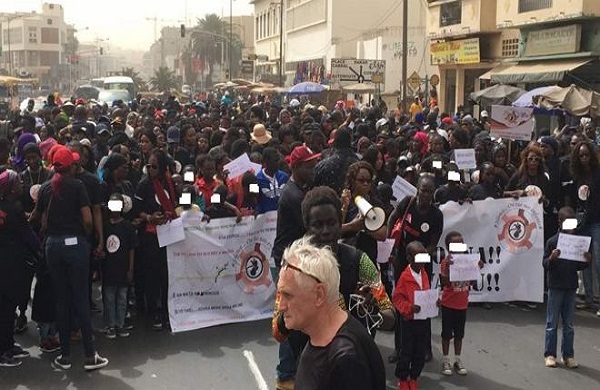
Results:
x,y
514,123
220,273
508,235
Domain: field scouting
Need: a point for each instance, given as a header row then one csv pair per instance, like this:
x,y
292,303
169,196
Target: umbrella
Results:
x,y
499,94
242,82
360,88
306,88
526,100
573,99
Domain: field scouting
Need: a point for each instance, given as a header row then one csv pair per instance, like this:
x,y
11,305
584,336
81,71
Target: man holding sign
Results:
x,y
562,288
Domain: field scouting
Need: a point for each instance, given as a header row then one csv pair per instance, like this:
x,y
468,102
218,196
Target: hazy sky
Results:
x,y
124,22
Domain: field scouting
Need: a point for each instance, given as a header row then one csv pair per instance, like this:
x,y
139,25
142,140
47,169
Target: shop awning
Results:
x,y
537,72
488,75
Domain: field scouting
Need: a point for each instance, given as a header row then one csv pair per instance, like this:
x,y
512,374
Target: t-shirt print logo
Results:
x,y
113,243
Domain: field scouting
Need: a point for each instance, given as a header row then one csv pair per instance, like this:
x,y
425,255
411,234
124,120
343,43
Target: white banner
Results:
x,y
514,123
509,237
220,273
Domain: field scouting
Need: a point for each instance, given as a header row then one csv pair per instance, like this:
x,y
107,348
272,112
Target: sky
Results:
x,y
124,22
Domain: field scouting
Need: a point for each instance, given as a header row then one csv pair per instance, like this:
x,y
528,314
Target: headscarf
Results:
x,y
419,135
45,147
19,160
114,161
8,181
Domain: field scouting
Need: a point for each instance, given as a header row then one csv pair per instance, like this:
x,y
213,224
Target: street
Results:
x,y
502,351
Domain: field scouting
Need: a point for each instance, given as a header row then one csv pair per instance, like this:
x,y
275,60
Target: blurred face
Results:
x,y
190,138
324,225
547,150
125,153
33,161
436,145
416,146
121,172
145,144
533,160
43,133
203,145
379,162
286,118
208,170
452,141
305,172
362,183
500,158
295,301
152,166
425,192
584,155
412,252
488,175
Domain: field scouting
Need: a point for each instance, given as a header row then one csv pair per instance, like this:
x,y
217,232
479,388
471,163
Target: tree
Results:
x,y
135,76
163,79
210,41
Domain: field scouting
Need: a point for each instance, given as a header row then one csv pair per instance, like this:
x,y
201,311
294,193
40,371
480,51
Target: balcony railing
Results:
x,y
533,5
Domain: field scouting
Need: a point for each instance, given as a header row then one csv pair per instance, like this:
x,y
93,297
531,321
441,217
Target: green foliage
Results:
x,y
163,79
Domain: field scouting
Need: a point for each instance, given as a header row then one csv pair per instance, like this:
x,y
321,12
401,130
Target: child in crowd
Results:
x,y
245,198
562,287
219,207
414,332
454,303
117,268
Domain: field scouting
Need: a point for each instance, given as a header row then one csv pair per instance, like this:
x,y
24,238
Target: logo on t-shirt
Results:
x,y
113,243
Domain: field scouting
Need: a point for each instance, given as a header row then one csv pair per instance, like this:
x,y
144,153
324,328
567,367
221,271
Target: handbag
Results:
x,y
397,231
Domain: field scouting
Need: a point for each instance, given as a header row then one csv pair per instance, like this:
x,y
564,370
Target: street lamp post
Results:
x,y
230,37
281,63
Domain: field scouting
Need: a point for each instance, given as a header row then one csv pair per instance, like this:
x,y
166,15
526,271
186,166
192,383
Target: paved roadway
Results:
x,y
502,351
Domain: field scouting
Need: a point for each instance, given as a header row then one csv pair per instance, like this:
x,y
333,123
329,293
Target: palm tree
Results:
x,y
135,76
163,79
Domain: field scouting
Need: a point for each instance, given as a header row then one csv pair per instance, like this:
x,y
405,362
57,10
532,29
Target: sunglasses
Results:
x,y
151,166
533,159
364,181
285,264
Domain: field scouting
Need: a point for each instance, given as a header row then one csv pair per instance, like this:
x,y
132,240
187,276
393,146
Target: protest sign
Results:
x,y
514,123
402,188
170,232
573,247
427,300
508,236
220,273
239,166
465,158
464,268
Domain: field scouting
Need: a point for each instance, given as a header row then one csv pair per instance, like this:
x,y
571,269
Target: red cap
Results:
x,y
63,157
302,154
447,120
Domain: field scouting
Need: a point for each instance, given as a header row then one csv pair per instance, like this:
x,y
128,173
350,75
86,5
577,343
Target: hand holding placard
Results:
x,y
573,247
464,268
427,301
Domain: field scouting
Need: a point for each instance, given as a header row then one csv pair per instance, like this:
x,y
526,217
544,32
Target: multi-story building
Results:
x,y
558,42
267,42
465,44
32,43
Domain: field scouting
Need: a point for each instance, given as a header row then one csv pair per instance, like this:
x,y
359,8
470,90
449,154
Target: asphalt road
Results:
x,y
503,351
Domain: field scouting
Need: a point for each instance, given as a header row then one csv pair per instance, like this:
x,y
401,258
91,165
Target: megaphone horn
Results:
x,y
374,216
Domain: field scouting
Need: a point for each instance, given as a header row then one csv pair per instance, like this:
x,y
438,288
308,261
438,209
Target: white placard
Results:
x,y
239,166
514,123
573,247
170,233
464,268
402,188
465,158
427,300
384,250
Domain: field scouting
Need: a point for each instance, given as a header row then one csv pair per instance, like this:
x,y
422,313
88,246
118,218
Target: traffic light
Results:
x,y
183,31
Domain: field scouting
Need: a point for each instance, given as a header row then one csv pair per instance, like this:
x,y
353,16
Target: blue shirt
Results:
x,y
270,190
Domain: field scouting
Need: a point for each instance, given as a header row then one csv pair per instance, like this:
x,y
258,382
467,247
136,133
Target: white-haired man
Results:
x,y
340,354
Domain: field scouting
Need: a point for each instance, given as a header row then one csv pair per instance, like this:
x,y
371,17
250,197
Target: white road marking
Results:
x,y
260,381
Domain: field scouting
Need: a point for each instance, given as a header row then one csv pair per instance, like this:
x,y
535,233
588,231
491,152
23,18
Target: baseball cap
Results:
x,y
484,114
294,103
302,154
63,157
102,128
173,134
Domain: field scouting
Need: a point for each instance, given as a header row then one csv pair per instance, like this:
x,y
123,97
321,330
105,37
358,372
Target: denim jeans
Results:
x,y
115,306
286,368
47,331
69,267
593,270
561,304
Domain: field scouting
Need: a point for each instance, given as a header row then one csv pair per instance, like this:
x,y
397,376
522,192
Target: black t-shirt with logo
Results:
x,y
119,240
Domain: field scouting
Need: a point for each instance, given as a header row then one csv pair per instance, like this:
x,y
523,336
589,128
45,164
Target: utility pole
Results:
x,y
281,63
404,52
230,38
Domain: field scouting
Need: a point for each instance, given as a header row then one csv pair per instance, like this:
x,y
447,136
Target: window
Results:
x,y
450,13
510,48
533,5
49,21
32,35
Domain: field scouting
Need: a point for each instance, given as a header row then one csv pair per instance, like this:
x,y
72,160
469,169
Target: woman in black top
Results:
x,y
18,242
531,173
64,209
154,203
487,186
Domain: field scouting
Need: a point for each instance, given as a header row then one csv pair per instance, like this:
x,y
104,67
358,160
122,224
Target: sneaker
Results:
x,y
49,347
550,362
285,384
446,367
403,385
570,362
62,362
17,352
111,333
128,324
21,324
459,367
95,363
598,313
7,360
122,332
531,305
583,306
157,324
413,385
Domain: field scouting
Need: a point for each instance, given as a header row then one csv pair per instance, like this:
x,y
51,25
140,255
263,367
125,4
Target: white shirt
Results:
x,y
417,276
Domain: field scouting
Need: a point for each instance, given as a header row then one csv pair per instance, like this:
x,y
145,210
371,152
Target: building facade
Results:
x,y
32,43
558,43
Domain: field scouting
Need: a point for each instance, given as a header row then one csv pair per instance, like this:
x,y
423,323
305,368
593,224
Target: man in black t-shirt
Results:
x,y
341,355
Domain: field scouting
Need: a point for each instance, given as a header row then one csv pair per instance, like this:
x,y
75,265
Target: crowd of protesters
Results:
x,y
83,180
